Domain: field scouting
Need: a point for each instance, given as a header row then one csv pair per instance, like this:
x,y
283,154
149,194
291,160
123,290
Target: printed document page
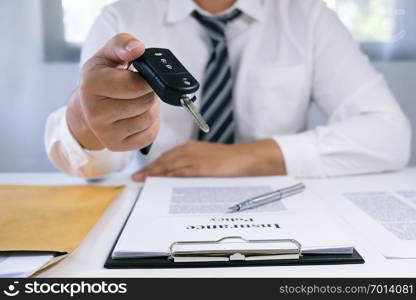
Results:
x,y
388,218
172,209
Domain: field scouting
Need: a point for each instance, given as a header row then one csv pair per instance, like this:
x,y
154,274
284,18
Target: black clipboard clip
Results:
x,y
234,248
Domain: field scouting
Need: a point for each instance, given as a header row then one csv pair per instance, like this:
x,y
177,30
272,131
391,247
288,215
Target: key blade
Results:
x,y
191,108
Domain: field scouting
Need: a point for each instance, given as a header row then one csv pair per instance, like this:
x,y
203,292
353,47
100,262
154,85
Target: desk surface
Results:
x,y
88,259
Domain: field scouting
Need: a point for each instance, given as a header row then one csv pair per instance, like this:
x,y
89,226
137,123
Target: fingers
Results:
x,y
182,170
136,141
121,49
176,162
101,77
168,161
112,110
140,140
112,83
128,127
160,168
168,158
126,134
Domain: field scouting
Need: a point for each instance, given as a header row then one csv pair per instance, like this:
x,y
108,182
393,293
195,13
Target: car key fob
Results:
x,y
166,75
170,81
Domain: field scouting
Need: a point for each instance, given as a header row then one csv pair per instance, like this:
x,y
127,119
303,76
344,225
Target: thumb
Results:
x,y
121,49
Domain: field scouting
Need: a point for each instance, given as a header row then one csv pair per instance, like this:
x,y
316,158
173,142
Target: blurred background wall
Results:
x,y
32,86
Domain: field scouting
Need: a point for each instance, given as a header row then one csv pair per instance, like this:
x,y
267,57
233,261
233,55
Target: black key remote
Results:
x,y
170,80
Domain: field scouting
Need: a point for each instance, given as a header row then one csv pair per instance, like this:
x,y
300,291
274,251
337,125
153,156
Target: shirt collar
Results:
x,y
180,9
252,8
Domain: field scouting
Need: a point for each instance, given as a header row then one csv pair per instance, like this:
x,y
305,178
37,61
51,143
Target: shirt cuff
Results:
x,y
89,163
301,155
76,153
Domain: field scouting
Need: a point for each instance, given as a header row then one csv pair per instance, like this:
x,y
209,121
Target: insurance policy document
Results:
x,y
387,217
196,209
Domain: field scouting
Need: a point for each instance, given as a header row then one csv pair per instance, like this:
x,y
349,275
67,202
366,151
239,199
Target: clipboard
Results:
x,y
251,256
288,257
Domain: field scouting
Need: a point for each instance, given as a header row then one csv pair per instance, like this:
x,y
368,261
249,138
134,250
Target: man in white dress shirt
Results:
x,y
281,53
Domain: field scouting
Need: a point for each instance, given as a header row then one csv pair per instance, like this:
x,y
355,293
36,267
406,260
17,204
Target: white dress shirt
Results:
x,y
284,54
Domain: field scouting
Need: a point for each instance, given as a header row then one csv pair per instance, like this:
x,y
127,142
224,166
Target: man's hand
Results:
x,y
202,159
113,108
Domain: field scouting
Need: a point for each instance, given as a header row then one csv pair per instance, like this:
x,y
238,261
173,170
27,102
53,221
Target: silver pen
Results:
x,y
268,198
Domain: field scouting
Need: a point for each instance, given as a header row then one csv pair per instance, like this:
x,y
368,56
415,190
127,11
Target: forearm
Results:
x,y
261,158
371,143
361,144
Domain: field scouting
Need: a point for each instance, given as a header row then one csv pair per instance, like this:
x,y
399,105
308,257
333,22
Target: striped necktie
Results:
x,y
217,87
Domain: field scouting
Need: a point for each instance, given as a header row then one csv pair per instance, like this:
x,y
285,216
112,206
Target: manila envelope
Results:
x,y
50,218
